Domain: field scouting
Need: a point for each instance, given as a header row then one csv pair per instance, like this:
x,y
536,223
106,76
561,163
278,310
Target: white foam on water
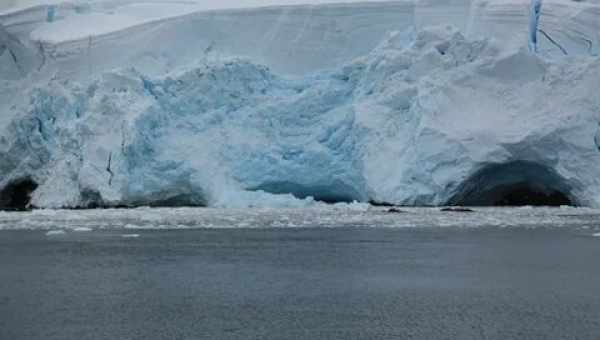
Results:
x,y
55,233
130,235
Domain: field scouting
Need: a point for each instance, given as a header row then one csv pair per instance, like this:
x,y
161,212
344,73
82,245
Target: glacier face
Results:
x,y
401,113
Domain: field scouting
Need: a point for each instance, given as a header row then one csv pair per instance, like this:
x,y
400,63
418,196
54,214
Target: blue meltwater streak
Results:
x,y
535,10
51,13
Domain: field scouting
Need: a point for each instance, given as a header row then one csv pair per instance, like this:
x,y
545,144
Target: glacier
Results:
x,y
403,102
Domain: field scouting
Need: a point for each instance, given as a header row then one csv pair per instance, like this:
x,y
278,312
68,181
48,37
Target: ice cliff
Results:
x,y
415,103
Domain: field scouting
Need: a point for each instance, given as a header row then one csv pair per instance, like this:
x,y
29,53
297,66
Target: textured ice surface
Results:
x,y
322,216
279,107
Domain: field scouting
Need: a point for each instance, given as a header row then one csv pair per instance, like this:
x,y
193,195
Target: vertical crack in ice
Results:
x,y
40,127
123,138
535,11
16,61
109,170
597,137
43,54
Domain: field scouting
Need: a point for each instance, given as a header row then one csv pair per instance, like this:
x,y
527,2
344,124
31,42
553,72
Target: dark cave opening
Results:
x,y
518,183
17,194
522,194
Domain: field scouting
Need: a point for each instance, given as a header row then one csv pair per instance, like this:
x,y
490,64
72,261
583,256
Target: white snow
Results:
x,y
10,6
283,106
82,26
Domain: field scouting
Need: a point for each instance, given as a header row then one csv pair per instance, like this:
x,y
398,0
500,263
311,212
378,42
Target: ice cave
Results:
x,y
17,194
518,183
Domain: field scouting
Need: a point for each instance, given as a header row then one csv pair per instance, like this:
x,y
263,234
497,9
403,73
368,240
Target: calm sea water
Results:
x,y
301,283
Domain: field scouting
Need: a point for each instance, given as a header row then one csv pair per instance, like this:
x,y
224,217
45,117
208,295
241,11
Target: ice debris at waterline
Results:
x,y
51,233
135,221
428,116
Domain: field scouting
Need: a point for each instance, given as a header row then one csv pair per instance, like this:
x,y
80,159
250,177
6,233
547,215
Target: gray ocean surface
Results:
x,y
351,282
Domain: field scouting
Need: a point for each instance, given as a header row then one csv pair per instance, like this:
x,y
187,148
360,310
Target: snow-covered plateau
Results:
x,y
424,102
